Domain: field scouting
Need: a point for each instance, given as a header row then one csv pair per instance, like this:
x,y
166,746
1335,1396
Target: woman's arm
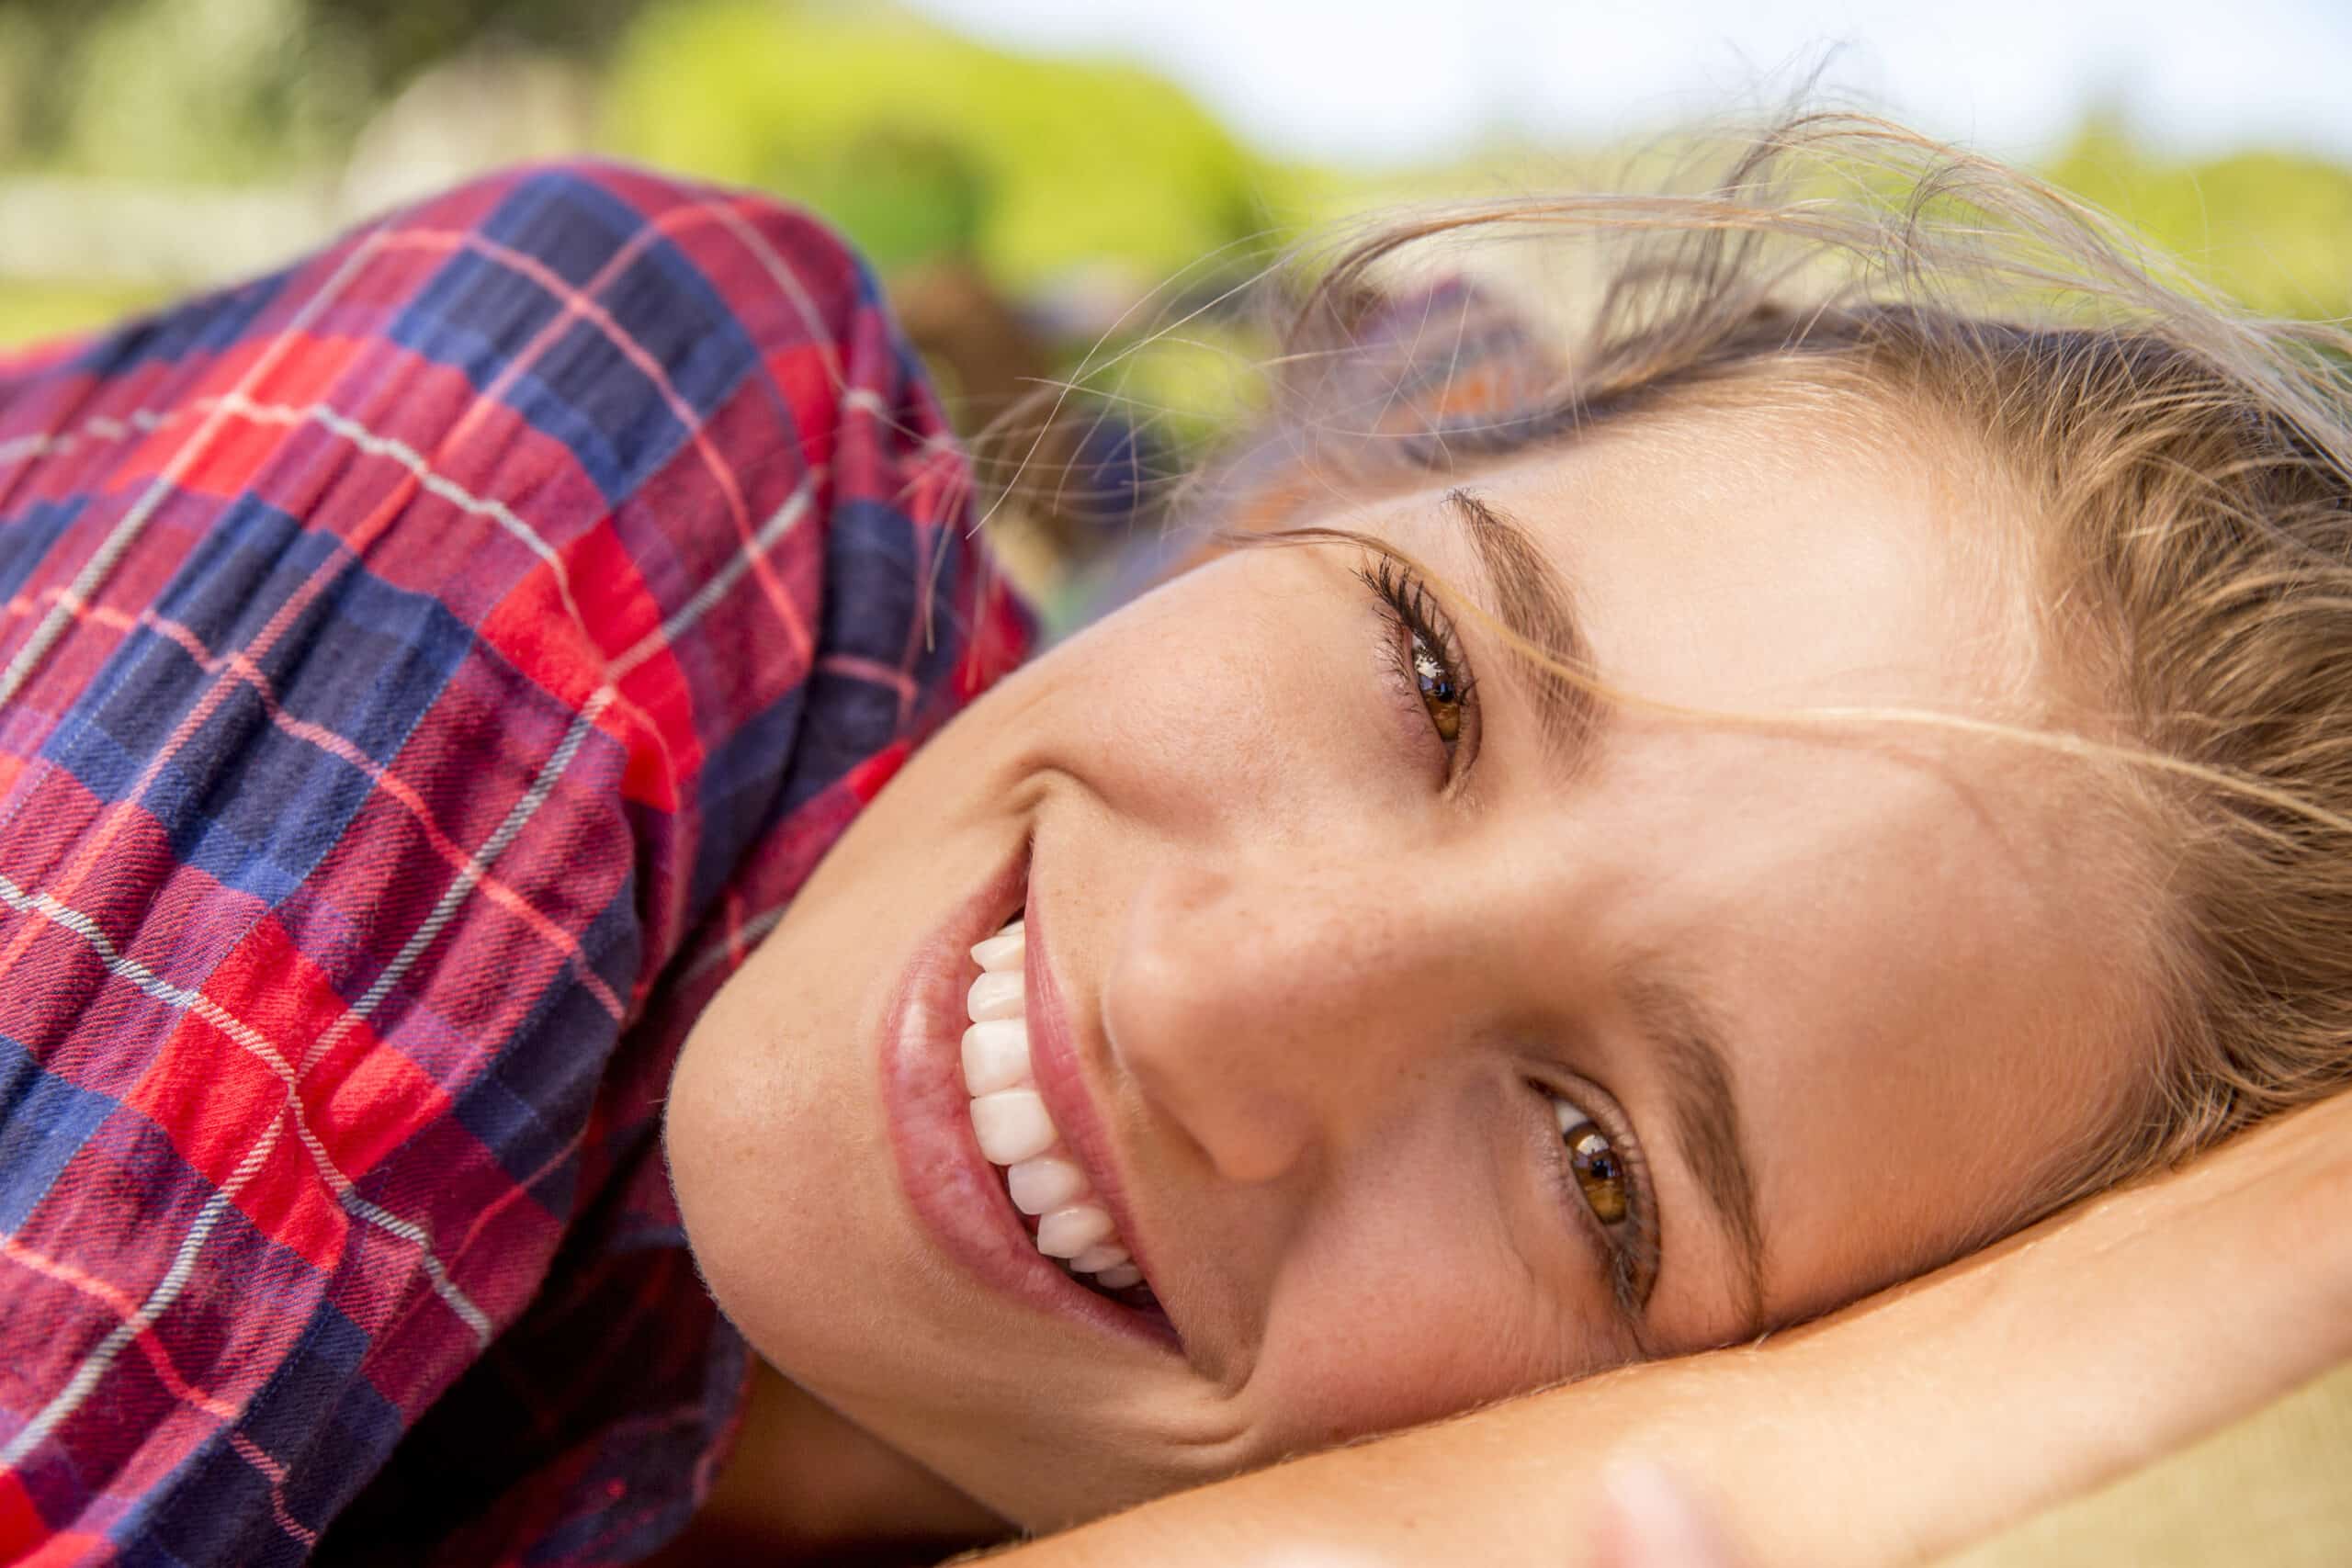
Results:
x,y
1900,1430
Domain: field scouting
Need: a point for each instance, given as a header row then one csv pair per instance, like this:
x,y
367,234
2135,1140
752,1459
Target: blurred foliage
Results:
x,y
30,313
208,91
1056,180
2272,229
915,139
242,89
1041,223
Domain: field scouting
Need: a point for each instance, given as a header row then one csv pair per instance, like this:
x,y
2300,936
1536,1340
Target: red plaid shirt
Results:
x,y
425,673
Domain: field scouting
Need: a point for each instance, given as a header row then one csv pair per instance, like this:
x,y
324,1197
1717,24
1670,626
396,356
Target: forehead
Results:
x,y
1801,547
1914,943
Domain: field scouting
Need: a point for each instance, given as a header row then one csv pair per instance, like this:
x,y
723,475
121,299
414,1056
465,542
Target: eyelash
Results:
x,y
1630,1242
1424,629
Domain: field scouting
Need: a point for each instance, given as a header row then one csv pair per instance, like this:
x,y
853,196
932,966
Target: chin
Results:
x,y
790,1185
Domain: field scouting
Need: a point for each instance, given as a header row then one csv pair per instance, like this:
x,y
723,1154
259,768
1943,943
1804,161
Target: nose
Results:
x,y
1266,1008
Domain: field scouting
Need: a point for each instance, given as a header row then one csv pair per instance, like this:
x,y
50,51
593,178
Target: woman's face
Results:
x,y
1423,1044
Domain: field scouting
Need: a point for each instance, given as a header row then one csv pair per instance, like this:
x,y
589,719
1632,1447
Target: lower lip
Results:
x,y
955,1193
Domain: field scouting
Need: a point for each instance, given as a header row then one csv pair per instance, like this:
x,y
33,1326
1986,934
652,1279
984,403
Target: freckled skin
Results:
x,y
1308,984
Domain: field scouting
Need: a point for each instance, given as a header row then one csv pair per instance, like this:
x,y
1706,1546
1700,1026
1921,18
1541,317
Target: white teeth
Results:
x,y
1041,1184
1012,1125
1014,1130
1066,1232
996,994
1004,951
995,1056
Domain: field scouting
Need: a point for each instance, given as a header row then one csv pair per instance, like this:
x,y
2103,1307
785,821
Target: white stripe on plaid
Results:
x,y
507,831
100,566
259,1046
580,303
57,443
351,430
102,1356
62,613
160,1359
342,749
339,745
65,600
795,507
408,458
788,283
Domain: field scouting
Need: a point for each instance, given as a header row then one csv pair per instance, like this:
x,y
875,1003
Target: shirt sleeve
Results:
x,y
426,672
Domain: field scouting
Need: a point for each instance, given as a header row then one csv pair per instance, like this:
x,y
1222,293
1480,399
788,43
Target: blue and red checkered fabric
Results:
x,y
425,672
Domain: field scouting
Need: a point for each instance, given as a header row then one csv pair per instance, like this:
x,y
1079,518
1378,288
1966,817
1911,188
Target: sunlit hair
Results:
x,y
2184,472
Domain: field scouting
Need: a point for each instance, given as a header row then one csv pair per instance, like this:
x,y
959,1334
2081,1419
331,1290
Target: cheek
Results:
x,y
1249,685
1410,1302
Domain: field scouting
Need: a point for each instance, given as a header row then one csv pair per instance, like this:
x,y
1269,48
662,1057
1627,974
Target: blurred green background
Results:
x,y
1060,179
1030,214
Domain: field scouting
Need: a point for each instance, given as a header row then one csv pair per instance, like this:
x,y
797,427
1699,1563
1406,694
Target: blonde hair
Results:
x,y
2186,469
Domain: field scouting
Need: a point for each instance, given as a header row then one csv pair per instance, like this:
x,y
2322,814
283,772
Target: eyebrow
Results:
x,y
1689,1037
1532,603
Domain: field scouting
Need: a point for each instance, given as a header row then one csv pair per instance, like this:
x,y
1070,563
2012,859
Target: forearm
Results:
x,y
1897,1431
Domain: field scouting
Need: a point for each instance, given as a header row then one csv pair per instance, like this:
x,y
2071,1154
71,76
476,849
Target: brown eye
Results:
x,y
1426,657
1602,1175
1440,694
1599,1169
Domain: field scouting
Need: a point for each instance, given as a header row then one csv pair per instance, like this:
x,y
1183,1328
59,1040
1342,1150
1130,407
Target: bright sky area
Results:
x,y
1385,81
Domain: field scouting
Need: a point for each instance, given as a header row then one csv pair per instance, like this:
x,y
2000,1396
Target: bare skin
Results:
x,y
1336,979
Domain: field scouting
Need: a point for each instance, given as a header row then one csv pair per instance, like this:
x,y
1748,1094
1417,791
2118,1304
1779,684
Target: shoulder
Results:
x,y
628,310
634,240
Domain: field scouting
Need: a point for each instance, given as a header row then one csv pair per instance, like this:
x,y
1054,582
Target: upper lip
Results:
x,y
1059,1065
955,1193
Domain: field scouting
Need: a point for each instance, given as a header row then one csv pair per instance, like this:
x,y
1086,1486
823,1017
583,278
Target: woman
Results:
x,y
1725,825
1741,889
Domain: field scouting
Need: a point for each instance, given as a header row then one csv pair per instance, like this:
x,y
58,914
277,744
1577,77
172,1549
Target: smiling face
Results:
x,y
1425,1040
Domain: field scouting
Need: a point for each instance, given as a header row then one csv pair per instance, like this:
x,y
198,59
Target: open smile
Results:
x,y
1016,1074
